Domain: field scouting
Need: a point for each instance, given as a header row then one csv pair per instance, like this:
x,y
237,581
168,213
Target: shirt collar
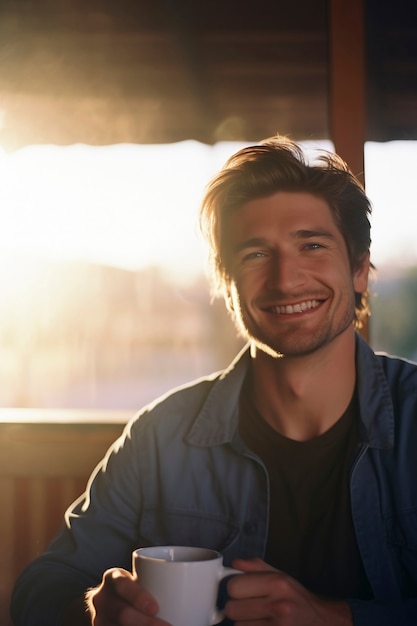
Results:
x,y
375,402
218,418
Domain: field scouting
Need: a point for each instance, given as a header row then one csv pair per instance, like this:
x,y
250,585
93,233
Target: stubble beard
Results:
x,y
296,343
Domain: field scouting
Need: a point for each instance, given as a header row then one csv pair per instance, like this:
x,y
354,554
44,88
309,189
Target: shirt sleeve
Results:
x,y
100,531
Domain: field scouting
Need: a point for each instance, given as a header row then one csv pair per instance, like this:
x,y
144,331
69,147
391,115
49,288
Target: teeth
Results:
x,y
297,308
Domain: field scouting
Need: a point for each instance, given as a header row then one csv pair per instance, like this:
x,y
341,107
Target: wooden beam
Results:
x,y
347,102
347,81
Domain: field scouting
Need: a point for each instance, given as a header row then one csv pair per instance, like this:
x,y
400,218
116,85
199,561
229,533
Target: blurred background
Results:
x,y
113,117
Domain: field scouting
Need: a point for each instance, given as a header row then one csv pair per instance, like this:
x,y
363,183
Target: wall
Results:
x,y
44,466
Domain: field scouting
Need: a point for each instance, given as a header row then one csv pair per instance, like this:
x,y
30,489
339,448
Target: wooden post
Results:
x,y
347,98
347,81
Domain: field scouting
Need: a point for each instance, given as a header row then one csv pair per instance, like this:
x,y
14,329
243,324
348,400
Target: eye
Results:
x,y
256,254
313,246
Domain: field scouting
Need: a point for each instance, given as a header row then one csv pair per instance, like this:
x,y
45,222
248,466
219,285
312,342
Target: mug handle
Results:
x,y
218,614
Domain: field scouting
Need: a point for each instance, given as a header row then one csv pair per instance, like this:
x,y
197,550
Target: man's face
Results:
x,y
292,288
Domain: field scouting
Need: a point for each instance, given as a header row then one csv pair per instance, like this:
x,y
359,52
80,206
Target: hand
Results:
x,y
121,601
265,594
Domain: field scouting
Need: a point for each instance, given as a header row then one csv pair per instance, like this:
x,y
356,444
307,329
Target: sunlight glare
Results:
x,y
101,267
122,205
391,184
134,206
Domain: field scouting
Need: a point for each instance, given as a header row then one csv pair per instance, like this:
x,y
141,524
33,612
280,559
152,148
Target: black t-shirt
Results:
x,y
311,535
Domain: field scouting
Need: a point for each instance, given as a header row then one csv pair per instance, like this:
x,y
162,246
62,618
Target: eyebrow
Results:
x,y
255,242
308,234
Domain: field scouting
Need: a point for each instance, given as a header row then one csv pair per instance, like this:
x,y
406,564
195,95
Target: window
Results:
x,y
105,299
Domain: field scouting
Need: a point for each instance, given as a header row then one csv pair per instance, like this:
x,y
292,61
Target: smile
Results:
x,y
300,307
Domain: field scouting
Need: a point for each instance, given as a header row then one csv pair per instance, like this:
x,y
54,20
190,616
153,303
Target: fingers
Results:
x,y
256,581
252,565
258,584
250,610
263,593
127,588
121,600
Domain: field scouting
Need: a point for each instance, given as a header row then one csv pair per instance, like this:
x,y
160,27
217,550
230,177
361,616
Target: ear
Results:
x,y
361,274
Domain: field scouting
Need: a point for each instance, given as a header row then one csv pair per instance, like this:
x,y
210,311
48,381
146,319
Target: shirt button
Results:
x,y
249,528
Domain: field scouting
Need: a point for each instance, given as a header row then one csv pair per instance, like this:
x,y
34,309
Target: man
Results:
x,y
298,462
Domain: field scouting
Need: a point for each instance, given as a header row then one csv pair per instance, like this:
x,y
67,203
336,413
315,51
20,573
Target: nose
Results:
x,y
285,273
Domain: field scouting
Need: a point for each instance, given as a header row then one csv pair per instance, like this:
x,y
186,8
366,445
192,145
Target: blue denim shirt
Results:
x,y
180,474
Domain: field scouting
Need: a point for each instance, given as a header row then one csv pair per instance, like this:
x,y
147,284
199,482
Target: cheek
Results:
x,y
340,273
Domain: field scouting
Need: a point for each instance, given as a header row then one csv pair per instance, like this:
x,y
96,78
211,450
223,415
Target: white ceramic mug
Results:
x,y
184,581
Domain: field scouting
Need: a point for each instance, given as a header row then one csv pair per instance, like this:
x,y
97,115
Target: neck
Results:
x,y
302,397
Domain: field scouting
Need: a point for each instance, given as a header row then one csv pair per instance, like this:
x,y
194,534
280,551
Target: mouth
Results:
x,y
290,309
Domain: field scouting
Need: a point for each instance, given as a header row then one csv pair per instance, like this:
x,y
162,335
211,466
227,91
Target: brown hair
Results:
x,y
278,164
